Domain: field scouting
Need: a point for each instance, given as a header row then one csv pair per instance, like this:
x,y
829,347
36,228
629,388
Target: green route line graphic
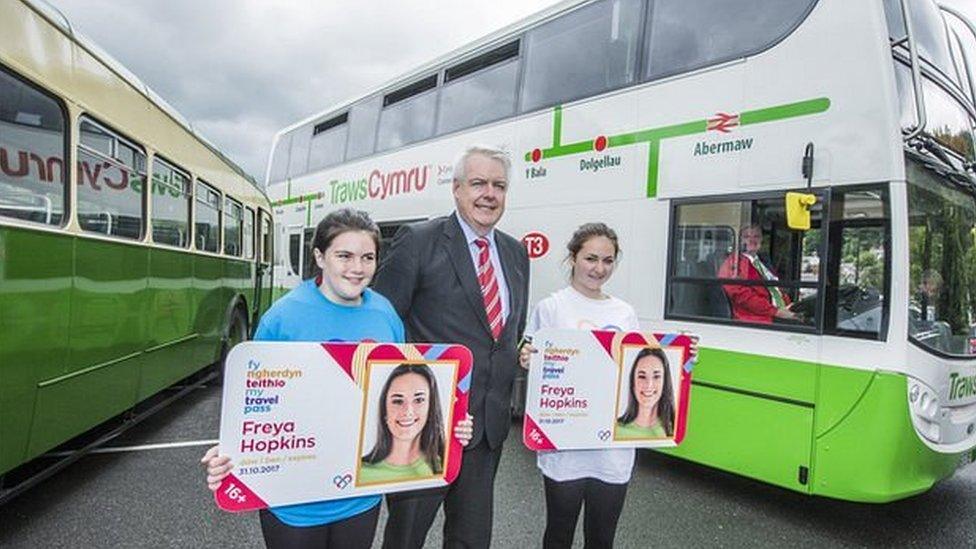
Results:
x,y
307,198
721,122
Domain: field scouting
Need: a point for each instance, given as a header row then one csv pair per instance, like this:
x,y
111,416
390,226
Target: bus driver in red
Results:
x,y
754,303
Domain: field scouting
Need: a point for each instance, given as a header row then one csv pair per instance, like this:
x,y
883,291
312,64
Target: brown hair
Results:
x,y
587,231
343,221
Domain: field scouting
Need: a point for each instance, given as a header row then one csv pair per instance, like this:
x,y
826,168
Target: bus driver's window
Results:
x,y
737,262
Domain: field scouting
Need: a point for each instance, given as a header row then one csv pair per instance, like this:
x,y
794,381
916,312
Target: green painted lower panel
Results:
x,y
760,438
210,299
72,406
164,367
874,454
35,290
765,375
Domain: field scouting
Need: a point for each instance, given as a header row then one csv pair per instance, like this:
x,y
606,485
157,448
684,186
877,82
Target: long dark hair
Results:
x,y
342,221
665,405
431,436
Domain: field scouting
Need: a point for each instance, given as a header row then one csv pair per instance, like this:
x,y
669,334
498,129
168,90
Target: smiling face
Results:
x,y
480,197
751,239
648,381
593,264
407,404
348,264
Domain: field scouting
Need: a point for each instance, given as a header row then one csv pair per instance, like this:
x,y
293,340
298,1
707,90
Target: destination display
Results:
x,y
317,421
606,389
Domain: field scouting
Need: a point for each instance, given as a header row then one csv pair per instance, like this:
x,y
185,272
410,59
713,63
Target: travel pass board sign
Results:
x,y
308,422
605,389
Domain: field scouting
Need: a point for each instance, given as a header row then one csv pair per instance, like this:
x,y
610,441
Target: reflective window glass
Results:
x,y
684,36
298,158
170,195
584,52
267,249
363,118
248,237
942,269
407,121
929,29
947,121
295,253
279,159
859,232
737,261
478,98
328,147
233,218
206,220
32,147
110,187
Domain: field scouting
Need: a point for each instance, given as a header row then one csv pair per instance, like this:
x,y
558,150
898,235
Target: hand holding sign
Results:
x,y
309,422
602,389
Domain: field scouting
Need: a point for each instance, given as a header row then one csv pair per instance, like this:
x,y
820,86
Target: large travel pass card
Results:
x,y
308,422
603,389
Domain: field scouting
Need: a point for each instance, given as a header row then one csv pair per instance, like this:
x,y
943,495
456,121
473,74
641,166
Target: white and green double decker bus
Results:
x,y
683,124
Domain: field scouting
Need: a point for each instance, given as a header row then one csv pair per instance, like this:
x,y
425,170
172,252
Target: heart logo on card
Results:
x,y
341,481
604,435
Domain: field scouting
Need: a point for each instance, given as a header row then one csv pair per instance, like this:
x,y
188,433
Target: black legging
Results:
x,y
355,532
604,501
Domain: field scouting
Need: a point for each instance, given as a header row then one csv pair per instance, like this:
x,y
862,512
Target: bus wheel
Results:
x,y
236,333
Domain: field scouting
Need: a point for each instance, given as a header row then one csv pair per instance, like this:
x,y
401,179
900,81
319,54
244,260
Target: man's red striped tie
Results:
x,y
489,287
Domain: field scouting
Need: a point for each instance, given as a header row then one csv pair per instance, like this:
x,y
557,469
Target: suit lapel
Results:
x,y
457,250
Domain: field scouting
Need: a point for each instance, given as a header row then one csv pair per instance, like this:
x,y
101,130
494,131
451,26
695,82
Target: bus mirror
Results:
x,y
798,210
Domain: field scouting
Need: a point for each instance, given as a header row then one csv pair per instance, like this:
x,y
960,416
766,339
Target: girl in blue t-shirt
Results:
x,y
335,306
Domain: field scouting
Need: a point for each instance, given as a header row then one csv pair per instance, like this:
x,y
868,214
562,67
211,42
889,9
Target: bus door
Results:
x,y
264,276
296,255
300,259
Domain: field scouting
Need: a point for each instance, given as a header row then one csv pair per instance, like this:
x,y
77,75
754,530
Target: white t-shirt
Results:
x,y
569,309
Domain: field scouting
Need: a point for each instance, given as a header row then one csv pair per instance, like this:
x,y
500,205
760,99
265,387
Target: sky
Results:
x,y
241,70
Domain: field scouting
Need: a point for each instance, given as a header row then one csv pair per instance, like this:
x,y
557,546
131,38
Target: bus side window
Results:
x,y
279,159
111,190
683,36
232,227
207,218
858,266
33,179
363,117
558,70
298,157
248,233
170,193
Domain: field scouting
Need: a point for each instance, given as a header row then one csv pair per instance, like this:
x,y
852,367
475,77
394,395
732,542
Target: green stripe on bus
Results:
x,y
557,126
781,112
653,136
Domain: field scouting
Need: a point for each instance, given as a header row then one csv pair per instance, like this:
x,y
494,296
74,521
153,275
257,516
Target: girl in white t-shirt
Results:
x,y
596,478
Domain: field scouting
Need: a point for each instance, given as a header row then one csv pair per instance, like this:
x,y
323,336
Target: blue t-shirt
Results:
x,y
304,314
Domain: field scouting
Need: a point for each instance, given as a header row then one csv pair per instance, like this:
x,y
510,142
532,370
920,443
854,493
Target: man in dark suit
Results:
x,y
456,279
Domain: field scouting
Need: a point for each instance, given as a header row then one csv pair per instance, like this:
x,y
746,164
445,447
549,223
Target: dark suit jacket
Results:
x,y
430,278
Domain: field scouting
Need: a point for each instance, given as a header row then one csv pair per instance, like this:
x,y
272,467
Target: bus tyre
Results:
x,y
236,333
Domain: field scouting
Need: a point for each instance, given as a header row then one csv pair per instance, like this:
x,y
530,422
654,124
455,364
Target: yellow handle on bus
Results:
x,y
798,210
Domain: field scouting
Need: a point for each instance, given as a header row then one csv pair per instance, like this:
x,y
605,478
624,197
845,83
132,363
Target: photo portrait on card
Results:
x,y
406,422
646,393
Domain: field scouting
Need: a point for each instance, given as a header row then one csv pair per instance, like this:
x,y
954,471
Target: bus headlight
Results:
x,y
923,401
924,405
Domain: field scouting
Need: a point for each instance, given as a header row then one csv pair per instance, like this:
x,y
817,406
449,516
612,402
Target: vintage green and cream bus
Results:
x,y
683,124
132,252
